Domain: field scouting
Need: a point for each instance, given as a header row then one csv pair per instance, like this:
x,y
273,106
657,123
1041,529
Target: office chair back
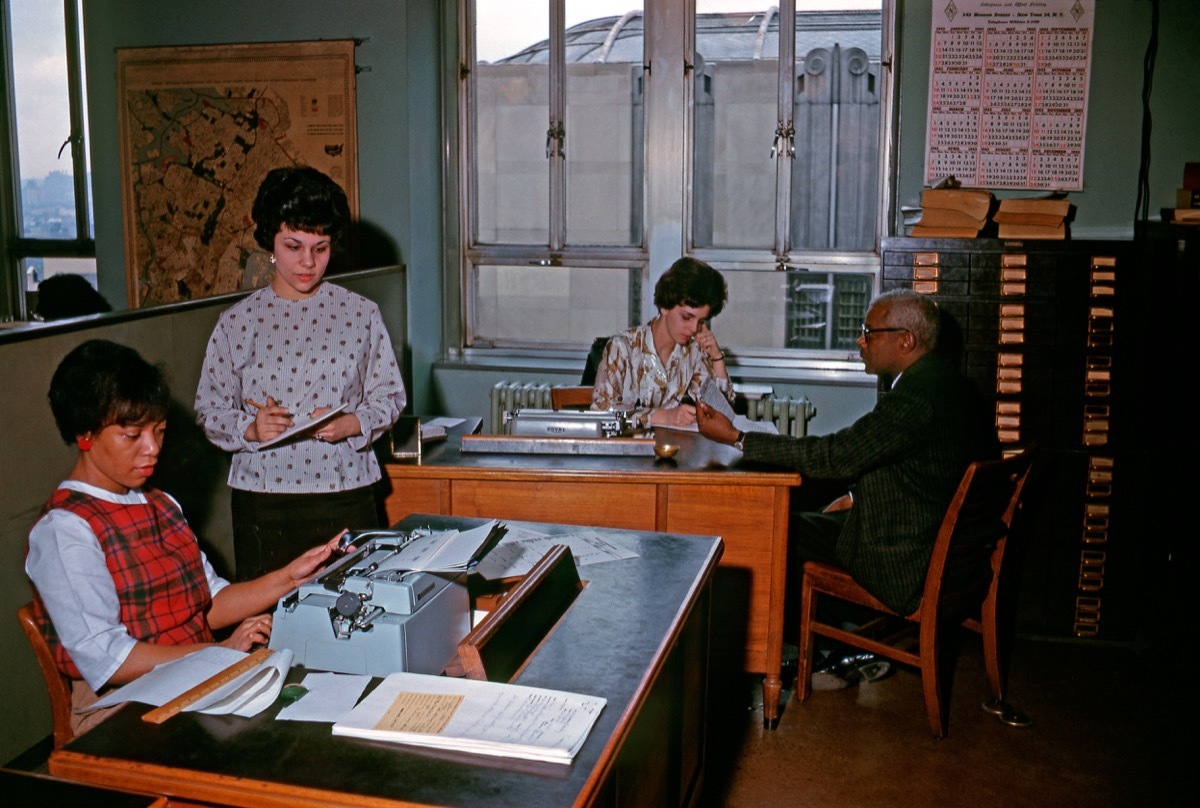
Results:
x,y
58,686
570,398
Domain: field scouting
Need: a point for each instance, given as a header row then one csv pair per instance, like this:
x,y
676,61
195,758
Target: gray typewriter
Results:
x,y
364,614
567,423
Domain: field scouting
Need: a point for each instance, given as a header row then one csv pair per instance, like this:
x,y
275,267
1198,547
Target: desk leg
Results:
x,y
771,687
772,682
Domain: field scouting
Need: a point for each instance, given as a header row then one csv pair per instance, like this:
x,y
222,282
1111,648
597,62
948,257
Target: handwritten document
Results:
x,y
466,715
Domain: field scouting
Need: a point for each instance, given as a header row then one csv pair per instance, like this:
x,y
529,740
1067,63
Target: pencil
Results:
x,y
255,404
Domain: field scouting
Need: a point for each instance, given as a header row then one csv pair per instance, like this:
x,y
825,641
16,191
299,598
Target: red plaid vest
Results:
x,y
154,560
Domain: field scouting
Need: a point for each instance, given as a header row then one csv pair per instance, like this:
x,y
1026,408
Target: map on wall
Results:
x,y
200,127
1008,93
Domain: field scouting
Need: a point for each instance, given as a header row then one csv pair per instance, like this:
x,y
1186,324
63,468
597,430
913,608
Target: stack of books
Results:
x,y
1187,198
1044,217
953,213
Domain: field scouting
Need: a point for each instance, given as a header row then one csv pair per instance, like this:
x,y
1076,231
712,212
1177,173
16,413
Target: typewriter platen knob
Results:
x,y
347,604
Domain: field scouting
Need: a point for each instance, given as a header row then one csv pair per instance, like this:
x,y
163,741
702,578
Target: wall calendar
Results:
x,y
1008,91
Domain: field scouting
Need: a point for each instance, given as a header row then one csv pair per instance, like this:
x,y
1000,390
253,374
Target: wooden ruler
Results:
x,y
217,680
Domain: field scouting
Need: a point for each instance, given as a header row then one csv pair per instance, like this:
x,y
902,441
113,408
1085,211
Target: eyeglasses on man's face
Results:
x,y
867,331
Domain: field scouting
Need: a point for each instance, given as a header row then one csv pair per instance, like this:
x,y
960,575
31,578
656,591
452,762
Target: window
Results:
x,y
46,204
601,140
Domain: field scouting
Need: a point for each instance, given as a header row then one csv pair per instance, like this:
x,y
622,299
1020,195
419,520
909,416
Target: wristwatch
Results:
x,y
737,444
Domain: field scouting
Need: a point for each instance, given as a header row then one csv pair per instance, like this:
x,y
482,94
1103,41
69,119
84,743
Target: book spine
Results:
x,y
1187,198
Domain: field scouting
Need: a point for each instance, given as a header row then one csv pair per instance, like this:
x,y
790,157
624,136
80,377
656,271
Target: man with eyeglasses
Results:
x,y
903,460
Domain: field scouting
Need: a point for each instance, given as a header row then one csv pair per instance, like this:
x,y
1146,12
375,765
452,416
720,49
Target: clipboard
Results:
x,y
302,425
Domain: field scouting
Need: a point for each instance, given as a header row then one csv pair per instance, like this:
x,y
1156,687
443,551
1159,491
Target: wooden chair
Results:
x,y
496,650
564,397
962,587
58,687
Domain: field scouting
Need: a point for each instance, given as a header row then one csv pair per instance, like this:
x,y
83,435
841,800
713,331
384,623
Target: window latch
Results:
x,y
785,140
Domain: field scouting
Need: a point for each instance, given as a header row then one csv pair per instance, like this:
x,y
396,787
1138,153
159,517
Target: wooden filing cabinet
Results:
x,y
1046,330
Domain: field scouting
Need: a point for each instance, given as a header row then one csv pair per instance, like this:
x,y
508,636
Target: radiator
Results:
x,y
507,396
791,415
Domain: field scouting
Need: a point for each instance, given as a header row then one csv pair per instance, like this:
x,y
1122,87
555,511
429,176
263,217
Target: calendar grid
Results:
x,y
1008,93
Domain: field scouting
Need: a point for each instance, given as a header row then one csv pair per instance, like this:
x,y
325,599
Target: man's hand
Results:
x,y
714,425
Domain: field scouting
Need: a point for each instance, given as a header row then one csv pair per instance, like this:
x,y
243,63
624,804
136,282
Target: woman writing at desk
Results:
x,y
656,371
299,347
120,583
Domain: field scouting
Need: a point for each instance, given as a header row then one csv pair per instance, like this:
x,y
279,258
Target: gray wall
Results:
x,y
400,158
398,124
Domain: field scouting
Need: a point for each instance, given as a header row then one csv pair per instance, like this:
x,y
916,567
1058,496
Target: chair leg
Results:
x,y
931,678
994,657
808,611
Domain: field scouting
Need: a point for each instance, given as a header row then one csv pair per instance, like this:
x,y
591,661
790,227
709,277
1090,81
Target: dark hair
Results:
x,y
68,295
302,198
692,283
100,383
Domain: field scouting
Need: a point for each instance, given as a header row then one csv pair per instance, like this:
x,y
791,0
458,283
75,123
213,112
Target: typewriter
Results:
x,y
567,423
366,614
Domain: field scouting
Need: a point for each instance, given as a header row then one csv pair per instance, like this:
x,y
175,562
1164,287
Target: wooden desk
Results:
x,y
637,635
704,489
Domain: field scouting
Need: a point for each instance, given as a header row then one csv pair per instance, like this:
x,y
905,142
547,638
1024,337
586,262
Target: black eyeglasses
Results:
x,y
867,331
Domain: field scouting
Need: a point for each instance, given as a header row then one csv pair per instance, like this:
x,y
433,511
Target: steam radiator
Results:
x,y
791,415
507,396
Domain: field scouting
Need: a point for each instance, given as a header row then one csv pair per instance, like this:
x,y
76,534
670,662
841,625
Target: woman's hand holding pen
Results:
x,y
271,420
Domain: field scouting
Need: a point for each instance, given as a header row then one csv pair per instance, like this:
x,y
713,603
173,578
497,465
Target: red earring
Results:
x,y
85,444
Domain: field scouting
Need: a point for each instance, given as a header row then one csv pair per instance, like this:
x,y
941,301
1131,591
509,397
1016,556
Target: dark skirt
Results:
x,y
271,530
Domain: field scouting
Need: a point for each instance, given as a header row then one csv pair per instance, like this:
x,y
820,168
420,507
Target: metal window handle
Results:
x,y
554,140
784,143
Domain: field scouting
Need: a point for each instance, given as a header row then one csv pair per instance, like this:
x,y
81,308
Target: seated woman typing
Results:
x,y
656,371
120,583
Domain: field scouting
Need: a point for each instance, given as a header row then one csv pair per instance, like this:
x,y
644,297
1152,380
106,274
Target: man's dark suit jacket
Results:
x,y
906,458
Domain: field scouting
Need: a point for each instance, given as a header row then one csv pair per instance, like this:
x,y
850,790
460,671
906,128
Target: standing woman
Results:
x,y
298,348
647,371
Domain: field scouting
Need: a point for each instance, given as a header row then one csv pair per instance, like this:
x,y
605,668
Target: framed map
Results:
x,y
200,128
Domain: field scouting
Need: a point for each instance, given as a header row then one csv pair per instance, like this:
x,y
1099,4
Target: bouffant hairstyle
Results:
x,y
101,383
305,200
692,283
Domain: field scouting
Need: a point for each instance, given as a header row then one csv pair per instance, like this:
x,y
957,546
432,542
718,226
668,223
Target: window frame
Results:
x,y
13,303
665,236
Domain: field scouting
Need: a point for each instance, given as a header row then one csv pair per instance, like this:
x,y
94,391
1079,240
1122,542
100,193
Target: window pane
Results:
x,y
512,81
736,97
805,310
58,299
523,304
836,117
43,120
604,121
